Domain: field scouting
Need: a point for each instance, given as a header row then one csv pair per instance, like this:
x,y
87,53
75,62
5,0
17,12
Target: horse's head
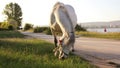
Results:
x,y
67,45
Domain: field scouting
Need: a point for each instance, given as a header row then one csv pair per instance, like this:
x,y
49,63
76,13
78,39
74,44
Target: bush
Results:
x,y
45,30
10,27
3,29
4,25
48,31
79,28
28,26
39,29
13,23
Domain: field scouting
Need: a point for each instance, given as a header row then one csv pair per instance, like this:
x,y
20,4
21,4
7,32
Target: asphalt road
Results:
x,y
104,53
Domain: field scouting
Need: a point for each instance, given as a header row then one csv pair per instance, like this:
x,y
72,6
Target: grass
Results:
x,y
109,35
10,34
33,53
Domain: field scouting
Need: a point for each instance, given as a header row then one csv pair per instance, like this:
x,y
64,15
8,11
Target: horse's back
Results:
x,y
65,17
72,14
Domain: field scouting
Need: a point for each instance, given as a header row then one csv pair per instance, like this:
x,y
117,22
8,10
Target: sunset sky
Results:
x,y
37,12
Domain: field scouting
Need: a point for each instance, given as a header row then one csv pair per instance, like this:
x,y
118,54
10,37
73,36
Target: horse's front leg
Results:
x,y
55,41
55,38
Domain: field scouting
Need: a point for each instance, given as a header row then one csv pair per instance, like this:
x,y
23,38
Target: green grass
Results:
x,y
10,34
34,53
109,35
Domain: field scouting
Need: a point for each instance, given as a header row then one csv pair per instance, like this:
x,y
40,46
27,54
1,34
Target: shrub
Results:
x,y
39,29
3,29
45,30
48,31
79,28
9,24
13,24
28,26
10,27
4,25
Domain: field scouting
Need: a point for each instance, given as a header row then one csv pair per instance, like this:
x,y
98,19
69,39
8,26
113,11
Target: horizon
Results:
x,y
37,13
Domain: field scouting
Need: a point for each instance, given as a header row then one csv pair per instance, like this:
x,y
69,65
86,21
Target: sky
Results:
x,y
37,12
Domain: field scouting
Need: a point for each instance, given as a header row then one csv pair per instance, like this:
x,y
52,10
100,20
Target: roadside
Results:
x,y
101,52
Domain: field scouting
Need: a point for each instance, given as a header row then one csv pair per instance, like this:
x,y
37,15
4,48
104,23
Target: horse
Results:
x,y
63,20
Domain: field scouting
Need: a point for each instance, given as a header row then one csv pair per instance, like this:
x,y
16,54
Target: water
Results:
x,y
103,29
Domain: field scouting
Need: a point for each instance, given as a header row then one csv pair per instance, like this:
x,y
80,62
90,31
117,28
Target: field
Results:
x,y
19,52
111,35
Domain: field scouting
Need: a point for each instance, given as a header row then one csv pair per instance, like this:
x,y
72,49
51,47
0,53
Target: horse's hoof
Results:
x,y
55,53
63,57
73,50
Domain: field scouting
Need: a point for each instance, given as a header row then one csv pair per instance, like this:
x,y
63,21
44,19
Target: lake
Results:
x,y
103,29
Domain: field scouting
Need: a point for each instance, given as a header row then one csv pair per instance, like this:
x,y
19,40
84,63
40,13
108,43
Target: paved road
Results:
x,y
100,52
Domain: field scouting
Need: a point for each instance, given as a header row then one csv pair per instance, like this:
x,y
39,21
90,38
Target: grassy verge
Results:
x,y
34,53
10,34
114,35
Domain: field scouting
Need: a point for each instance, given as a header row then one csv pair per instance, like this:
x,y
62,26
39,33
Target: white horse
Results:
x,y
63,20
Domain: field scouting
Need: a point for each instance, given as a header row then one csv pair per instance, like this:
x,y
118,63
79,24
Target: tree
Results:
x,y
13,12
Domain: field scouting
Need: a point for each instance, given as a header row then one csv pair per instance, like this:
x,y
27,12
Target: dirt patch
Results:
x,y
115,64
101,63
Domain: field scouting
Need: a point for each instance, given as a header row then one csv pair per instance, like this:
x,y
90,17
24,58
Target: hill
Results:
x,y
111,24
